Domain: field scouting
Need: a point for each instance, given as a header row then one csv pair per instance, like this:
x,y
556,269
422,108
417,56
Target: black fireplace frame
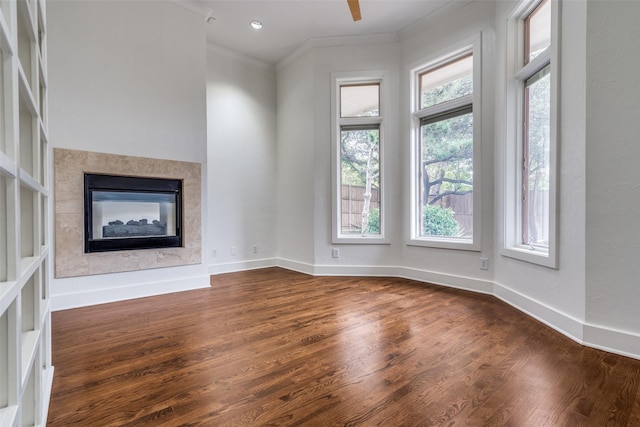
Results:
x,y
120,183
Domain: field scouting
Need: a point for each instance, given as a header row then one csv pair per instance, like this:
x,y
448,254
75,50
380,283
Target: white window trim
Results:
x,y
471,45
347,78
515,79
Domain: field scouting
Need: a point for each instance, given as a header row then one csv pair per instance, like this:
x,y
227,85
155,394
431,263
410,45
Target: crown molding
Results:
x,y
216,48
195,6
335,42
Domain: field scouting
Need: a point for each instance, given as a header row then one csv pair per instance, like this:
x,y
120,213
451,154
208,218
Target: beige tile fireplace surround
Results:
x,y
69,169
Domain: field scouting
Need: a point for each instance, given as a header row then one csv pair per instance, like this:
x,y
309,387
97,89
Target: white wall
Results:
x,y
444,30
554,296
353,58
613,174
127,78
241,156
458,268
296,163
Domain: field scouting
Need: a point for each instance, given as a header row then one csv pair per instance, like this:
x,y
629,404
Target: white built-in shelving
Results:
x,y
25,311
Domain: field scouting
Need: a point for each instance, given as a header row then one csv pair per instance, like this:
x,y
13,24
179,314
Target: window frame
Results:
x,y
470,46
339,123
519,71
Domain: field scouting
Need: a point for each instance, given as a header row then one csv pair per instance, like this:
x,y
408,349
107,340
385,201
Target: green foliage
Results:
x,y
448,155
448,91
359,151
539,95
374,221
439,221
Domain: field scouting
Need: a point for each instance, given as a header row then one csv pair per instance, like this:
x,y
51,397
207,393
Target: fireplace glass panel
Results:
x,y
118,214
123,213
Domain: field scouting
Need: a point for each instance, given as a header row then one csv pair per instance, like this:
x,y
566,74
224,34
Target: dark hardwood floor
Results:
x,y
277,348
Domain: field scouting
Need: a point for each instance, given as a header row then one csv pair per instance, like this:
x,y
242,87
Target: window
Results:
x,y
358,139
531,136
445,150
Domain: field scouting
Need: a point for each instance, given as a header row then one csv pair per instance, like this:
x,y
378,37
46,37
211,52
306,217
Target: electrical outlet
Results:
x,y
255,249
484,263
214,253
335,253
233,250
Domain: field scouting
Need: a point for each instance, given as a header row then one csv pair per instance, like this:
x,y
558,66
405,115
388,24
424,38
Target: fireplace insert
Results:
x,y
126,212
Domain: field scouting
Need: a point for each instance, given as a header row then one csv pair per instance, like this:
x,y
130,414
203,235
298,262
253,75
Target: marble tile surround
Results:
x,y
69,169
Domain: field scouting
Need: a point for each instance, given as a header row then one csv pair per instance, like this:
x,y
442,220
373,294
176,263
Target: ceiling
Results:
x,y
290,23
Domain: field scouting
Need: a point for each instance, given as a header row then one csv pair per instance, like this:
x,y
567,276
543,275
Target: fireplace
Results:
x,y
125,212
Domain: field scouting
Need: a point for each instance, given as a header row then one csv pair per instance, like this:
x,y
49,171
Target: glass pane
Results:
x,y
360,100
448,82
446,178
118,214
360,181
538,30
536,174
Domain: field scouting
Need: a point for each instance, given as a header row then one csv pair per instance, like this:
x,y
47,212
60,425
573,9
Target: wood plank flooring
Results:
x,y
273,347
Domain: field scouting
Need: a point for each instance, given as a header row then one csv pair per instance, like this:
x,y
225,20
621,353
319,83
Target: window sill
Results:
x,y
360,240
443,243
533,256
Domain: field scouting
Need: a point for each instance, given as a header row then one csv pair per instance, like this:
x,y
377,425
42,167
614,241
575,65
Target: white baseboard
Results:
x,y
449,280
298,266
612,340
92,296
561,322
232,267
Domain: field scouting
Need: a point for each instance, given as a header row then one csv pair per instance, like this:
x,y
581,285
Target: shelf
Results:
x,y
43,133
26,136
4,359
28,266
5,31
44,201
8,415
7,166
27,223
28,181
29,401
3,135
29,346
26,41
26,373
8,293
4,236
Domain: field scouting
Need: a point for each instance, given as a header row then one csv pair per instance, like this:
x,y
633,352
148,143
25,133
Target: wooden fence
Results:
x,y
352,205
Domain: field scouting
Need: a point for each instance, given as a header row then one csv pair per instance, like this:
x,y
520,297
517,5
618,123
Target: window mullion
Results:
x,y
444,107
360,121
537,64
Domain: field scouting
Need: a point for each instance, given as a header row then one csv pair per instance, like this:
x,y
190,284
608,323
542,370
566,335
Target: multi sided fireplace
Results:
x,y
125,212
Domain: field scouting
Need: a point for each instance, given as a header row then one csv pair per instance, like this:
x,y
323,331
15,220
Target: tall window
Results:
x,y
446,151
358,211
530,216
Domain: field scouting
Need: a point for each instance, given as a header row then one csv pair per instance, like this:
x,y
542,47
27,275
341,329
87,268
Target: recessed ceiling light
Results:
x,y
255,24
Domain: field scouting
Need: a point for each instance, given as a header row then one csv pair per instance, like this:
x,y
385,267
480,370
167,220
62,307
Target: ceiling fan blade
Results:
x,y
354,6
